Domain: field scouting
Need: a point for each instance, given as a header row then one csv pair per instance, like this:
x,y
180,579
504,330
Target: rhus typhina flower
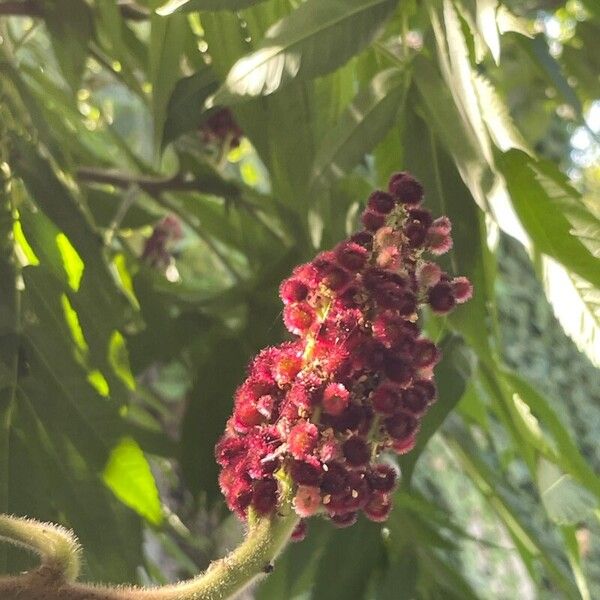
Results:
x,y
315,415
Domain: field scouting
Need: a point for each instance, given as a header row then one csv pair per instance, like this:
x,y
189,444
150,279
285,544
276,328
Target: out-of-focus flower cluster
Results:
x,y
315,414
220,127
157,248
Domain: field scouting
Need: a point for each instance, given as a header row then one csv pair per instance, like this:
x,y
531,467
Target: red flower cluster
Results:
x,y
220,126
316,413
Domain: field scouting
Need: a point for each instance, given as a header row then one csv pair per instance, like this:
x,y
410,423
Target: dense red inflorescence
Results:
x,y
316,414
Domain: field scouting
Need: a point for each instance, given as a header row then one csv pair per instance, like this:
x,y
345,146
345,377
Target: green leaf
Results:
x,y
185,110
574,556
570,458
549,211
454,130
211,399
192,5
294,572
318,37
347,562
167,41
360,127
67,211
70,26
128,475
526,539
566,501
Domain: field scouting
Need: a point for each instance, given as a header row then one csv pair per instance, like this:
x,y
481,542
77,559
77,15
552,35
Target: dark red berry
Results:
x,y
385,399
334,478
293,290
416,234
264,496
305,473
405,188
441,298
401,426
373,220
427,387
399,370
414,401
378,507
356,451
426,354
345,520
381,202
351,256
382,478
364,239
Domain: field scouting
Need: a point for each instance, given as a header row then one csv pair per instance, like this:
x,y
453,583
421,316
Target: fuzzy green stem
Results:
x,y
56,546
60,560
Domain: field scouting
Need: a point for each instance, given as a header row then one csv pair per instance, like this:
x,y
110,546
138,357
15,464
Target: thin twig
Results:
x,y
33,9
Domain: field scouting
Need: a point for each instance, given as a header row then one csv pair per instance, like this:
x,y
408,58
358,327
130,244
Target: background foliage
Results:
x,y
117,365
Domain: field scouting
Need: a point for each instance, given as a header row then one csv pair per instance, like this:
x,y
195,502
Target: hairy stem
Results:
x,y
60,562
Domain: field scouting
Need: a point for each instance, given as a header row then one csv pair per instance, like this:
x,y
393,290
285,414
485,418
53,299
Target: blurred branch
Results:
x,y
33,8
155,185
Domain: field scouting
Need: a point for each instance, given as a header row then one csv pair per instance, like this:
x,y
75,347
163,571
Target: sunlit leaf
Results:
x,y
319,36
128,475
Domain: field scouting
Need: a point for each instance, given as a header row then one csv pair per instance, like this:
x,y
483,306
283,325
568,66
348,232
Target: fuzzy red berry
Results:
x,y
427,388
425,354
372,220
335,399
364,239
264,496
356,451
385,399
305,473
401,426
293,290
334,478
351,256
414,401
382,478
405,188
441,298
378,507
428,274
307,500
381,202
298,318
399,370
302,439
462,289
